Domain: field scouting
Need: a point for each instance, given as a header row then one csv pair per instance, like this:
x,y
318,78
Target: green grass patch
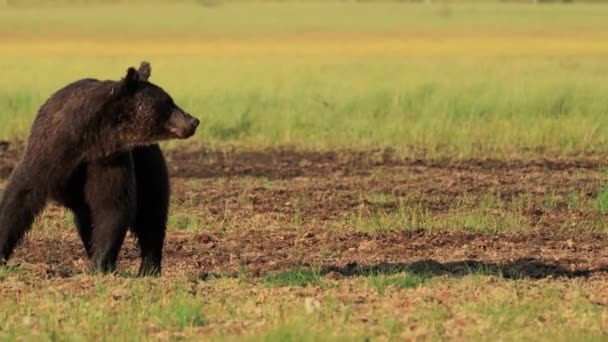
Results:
x,y
184,313
485,214
184,222
401,216
382,198
601,200
484,221
379,307
296,277
106,307
403,280
8,270
303,330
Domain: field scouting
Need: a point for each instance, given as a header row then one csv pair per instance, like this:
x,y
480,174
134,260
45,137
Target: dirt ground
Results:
x,y
258,185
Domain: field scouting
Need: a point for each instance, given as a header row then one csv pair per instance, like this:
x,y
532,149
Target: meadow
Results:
x,y
363,171
433,81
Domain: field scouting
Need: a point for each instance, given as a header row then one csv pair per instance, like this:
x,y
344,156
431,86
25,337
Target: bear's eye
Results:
x,y
140,107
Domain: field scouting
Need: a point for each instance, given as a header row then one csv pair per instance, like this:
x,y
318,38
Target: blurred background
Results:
x,y
426,78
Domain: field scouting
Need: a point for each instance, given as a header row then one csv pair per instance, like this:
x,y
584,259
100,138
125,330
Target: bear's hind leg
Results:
x,y
73,197
110,193
20,205
109,230
152,206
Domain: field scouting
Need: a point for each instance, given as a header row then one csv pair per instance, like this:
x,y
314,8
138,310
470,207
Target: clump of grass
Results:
x,y
304,330
184,222
381,198
184,313
403,217
476,220
297,218
478,272
550,199
491,200
404,280
8,270
486,213
296,277
601,200
484,221
574,200
266,183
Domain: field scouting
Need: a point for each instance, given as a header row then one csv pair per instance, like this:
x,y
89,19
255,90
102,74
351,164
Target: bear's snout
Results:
x,y
195,123
182,125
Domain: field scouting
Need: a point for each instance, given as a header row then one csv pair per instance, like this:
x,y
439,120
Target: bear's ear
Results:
x,y
145,70
131,79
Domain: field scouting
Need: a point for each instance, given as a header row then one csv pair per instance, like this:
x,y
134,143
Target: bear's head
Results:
x,y
147,113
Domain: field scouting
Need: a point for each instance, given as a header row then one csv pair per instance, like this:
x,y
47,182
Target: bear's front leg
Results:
x,y
152,181
110,194
21,203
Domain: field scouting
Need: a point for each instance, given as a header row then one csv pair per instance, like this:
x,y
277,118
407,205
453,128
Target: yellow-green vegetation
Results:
x,y
453,80
482,213
385,307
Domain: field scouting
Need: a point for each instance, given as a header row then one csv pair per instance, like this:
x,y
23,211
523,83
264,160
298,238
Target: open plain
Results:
x,y
363,171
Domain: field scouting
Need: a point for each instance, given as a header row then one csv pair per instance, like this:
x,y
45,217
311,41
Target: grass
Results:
x,y
8,270
104,307
444,80
403,218
295,277
91,308
486,214
405,280
601,200
183,222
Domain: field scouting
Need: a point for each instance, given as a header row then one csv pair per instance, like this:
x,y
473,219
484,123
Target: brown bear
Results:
x,y
93,148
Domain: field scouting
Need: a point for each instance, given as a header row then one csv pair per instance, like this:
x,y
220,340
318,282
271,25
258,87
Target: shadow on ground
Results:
x,y
521,268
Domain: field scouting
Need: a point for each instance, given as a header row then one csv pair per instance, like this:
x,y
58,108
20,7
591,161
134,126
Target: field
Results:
x,y
363,171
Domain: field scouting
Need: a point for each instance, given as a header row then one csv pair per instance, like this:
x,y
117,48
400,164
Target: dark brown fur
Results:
x,y
92,148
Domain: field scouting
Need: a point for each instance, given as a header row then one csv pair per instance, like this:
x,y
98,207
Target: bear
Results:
x,y
94,148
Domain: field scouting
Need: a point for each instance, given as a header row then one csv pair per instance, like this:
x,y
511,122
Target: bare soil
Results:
x,y
329,187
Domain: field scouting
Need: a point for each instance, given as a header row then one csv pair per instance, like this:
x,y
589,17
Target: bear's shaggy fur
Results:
x,y
93,149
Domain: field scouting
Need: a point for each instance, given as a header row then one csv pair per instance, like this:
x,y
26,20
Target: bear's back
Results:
x,y
77,99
